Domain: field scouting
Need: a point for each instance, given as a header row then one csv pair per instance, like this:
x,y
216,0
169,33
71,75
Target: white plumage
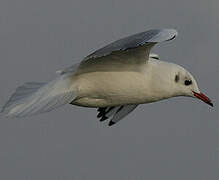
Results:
x,y
115,79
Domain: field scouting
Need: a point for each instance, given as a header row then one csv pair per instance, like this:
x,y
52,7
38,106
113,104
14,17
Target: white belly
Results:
x,y
101,89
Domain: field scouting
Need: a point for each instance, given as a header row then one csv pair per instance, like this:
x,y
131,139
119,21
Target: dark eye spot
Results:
x,y
176,78
187,82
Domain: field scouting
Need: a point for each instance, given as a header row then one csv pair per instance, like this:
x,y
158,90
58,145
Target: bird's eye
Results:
x,y
188,82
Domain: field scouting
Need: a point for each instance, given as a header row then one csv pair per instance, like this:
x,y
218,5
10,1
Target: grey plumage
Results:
x,y
144,38
120,114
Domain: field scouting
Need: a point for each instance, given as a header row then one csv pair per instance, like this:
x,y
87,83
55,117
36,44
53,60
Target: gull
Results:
x,y
114,79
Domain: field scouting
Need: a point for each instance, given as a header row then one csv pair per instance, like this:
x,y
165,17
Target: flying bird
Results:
x,y
114,79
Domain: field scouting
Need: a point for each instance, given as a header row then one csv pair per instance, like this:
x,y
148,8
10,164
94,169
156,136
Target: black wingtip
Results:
x,y
103,118
99,114
111,123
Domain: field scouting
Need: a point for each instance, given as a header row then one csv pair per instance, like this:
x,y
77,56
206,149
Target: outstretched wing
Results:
x,y
140,44
116,113
132,49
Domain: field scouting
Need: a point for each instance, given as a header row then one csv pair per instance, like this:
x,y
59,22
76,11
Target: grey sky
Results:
x,y
171,139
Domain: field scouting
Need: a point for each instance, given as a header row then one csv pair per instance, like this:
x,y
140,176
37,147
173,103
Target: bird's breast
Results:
x,y
101,89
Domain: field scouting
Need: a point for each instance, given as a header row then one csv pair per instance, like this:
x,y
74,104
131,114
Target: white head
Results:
x,y
176,81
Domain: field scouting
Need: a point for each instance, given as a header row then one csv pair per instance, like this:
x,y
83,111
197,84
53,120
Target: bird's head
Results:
x,y
186,85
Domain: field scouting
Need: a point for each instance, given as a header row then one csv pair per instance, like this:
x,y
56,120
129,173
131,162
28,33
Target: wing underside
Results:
x,y
114,113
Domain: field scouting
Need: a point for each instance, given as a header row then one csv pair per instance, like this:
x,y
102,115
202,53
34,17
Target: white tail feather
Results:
x,y
34,98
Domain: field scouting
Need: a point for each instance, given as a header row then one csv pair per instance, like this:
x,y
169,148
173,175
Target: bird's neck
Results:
x,y
161,80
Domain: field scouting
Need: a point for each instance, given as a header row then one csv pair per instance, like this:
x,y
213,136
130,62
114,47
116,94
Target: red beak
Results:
x,y
203,98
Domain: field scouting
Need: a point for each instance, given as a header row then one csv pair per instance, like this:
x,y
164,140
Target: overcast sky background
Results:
x,y
172,139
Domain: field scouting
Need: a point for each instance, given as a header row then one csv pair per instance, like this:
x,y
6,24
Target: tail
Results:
x,y
34,98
